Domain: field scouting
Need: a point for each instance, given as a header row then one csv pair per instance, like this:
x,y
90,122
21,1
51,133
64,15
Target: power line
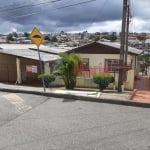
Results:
x,y
101,10
62,7
27,5
13,4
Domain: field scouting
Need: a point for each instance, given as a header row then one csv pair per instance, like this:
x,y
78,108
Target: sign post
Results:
x,y
37,38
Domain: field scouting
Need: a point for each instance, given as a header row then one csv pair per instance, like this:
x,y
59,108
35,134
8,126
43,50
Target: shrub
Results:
x,y
48,78
103,80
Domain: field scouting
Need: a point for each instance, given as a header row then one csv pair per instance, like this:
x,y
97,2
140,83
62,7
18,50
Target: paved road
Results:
x,y
13,105
29,122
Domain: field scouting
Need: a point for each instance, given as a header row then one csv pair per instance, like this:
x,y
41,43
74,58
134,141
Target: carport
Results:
x,y
20,63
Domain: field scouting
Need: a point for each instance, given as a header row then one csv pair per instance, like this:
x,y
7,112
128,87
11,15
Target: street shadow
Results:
x,y
68,100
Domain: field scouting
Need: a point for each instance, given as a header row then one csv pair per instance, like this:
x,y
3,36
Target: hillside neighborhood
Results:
x,y
99,52
137,40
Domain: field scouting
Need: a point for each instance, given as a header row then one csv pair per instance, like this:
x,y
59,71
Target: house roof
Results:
x,y
117,45
147,41
104,48
30,51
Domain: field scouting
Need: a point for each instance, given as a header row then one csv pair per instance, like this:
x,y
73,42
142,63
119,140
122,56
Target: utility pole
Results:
x,y
127,31
122,45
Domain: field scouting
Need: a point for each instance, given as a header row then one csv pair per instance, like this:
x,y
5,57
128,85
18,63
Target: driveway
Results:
x,y
46,123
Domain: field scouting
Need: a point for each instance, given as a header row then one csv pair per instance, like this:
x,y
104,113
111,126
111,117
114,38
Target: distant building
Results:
x,y
3,38
25,40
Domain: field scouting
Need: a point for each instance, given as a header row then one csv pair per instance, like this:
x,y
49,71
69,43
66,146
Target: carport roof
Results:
x,y
30,51
45,48
30,54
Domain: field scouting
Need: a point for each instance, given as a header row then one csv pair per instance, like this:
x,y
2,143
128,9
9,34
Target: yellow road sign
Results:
x,y
36,36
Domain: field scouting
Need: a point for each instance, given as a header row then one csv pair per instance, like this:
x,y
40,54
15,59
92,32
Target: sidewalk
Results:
x,y
142,92
107,94
93,95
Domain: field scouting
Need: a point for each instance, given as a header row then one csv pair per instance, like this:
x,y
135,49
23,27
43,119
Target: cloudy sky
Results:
x,y
71,15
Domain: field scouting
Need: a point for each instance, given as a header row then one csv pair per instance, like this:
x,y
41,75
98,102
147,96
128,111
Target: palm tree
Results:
x,y
68,69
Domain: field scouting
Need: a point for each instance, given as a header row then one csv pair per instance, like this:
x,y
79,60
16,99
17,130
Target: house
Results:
x,y
3,38
147,43
104,57
19,63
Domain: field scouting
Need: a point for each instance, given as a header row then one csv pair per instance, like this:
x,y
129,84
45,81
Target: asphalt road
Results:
x,y
31,122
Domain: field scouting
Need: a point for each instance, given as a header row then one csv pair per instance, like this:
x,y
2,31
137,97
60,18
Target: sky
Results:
x,y
53,16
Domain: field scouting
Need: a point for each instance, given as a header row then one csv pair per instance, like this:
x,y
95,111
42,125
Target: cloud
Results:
x,y
50,16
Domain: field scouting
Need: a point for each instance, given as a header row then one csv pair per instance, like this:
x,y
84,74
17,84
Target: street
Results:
x,y
33,122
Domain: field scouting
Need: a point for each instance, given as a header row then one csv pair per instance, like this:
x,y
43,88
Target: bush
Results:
x,y
103,80
48,78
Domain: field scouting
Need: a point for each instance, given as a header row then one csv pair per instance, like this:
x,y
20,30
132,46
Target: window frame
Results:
x,y
112,65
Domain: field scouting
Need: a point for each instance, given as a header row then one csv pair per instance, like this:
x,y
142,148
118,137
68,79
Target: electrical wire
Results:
x,y
27,5
100,13
7,7
62,7
132,16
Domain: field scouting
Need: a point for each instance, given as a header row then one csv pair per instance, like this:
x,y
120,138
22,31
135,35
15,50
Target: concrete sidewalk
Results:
x,y
142,90
108,96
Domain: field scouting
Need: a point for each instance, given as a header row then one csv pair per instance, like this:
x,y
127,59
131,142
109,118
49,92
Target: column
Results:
x,y
18,71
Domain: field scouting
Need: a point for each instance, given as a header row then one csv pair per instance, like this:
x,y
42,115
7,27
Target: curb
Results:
x,y
81,98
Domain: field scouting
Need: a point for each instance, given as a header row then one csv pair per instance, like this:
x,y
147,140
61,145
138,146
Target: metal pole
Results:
x,y
122,46
40,61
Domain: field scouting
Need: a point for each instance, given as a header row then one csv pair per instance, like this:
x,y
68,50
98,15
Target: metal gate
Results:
x,y
8,73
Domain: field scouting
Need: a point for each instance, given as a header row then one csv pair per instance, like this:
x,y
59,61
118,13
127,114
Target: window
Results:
x,y
84,66
111,65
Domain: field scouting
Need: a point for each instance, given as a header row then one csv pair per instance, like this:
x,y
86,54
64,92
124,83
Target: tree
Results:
x,y
141,38
54,39
47,38
97,38
67,68
10,37
113,37
26,34
15,34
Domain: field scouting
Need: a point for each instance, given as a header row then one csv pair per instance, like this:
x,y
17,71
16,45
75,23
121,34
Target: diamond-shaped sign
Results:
x,y
36,36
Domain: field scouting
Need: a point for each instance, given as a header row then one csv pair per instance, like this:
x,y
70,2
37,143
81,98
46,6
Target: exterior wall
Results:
x,y
8,71
28,76
129,84
96,59
135,64
99,59
46,68
88,83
